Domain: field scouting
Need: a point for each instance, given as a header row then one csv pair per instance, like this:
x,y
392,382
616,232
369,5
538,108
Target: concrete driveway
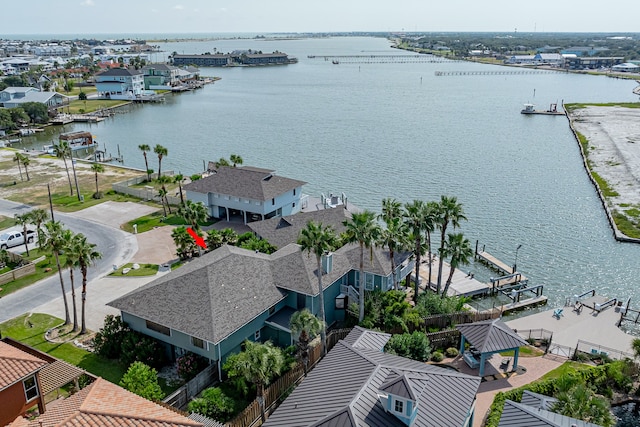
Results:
x,y
114,214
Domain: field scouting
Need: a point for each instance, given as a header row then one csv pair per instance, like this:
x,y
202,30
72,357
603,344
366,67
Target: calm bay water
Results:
x,y
396,130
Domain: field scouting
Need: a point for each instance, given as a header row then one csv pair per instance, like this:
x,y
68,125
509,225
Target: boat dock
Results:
x,y
380,59
462,284
552,111
492,72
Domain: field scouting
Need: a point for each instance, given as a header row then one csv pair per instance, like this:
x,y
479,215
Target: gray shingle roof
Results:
x,y
519,415
491,336
281,231
445,397
245,182
210,297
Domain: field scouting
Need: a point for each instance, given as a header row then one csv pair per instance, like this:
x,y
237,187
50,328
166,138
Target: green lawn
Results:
x,y
525,351
6,222
91,105
151,221
30,331
66,203
41,272
144,270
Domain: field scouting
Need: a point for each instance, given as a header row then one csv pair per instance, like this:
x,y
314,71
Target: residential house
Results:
x,y
246,192
120,83
105,404
27,376
280,232
214,303
160,76
584,50
52,100
535,410
13,92
357,384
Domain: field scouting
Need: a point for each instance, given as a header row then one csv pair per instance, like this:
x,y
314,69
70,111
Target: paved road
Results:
x,y
116,246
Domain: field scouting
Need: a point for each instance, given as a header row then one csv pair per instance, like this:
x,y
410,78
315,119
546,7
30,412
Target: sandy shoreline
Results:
x,y
613,135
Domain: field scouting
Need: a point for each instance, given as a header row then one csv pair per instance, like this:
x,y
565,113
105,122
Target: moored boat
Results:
x,y
552,111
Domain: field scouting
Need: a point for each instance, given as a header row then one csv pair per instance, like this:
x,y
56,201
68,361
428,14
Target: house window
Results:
x,y
294,191
368,283
398,406
197,342
256,336
273,201
272,310
158,328
30,388
293,205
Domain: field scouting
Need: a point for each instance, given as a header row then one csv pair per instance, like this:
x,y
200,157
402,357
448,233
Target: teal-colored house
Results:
x,y
212,304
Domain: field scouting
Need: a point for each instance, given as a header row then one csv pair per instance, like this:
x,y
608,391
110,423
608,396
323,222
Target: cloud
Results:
x,y
87,3
178,7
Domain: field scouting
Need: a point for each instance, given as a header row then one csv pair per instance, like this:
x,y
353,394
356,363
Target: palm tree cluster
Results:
x,y
78,253
23,161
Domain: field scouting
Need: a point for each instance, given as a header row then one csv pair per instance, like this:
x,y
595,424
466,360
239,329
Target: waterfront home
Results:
x,y
15,96
357,384
246,193
215,302
120,83
160,76
280,232
534,410
26,377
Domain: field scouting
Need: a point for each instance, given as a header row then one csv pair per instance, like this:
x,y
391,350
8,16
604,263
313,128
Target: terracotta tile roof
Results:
x,y
16,364
105,404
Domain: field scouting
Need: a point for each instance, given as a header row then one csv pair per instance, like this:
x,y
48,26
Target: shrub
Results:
x,y
451,352
190,365
108,341
143,381
213,404
414,346
437,356
140,348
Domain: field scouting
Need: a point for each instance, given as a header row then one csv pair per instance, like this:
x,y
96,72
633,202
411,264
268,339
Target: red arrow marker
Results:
x,y
199,240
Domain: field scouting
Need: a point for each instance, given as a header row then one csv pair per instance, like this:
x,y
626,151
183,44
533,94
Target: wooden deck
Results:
x,y
461,283
502,268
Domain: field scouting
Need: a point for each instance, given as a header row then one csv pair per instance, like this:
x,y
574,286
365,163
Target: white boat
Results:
x,y
26,132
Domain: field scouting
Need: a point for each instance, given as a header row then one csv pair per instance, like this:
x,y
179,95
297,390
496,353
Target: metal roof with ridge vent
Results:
x,y
490,336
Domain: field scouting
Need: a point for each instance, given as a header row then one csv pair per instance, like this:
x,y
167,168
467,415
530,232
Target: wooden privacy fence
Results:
x,y
274,394
444,321
444,339
19,272
181,397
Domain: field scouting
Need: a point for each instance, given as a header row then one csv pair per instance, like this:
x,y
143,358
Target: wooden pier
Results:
x,y
462,284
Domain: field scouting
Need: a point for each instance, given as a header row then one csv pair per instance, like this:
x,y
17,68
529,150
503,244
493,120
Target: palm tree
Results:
x,y
414,215
582,403
459,250
144,148
97,168
178,180
259,364
395,236
86,255
429,226
17,158
25,162
222,162
235,159
163,191
449,211
71,262
318,239
38,217
62,151
23,220
193,213
229,236
363,229
304,327
391,208
214,239
54,240
185,245
161,152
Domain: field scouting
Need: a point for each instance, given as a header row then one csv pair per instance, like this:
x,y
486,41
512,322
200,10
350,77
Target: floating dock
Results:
x,y
552,111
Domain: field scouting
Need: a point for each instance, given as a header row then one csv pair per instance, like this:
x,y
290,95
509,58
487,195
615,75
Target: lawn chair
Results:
x,y
505,363
557,313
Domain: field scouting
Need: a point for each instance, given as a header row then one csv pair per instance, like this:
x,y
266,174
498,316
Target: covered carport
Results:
x,y
489,337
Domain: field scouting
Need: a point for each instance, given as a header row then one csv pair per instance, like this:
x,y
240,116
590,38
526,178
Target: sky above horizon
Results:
x,y
280,16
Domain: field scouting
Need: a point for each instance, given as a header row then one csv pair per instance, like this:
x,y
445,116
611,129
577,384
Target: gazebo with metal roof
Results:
x,y
489,337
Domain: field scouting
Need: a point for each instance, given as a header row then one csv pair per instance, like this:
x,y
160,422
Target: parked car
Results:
x,y
15,238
